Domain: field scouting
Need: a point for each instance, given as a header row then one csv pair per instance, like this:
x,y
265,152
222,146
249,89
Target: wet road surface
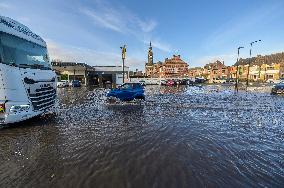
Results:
x,y
180,137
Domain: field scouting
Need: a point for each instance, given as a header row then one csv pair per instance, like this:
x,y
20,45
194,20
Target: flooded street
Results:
x,y
180,137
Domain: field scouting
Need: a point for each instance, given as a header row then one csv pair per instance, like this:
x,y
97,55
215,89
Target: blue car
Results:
x,y
127,92
76,83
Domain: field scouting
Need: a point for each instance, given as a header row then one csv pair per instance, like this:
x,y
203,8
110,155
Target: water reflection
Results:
x,y
172,90
180,137
27,149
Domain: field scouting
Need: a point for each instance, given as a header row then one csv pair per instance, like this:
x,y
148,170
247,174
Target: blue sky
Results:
x,y
92,31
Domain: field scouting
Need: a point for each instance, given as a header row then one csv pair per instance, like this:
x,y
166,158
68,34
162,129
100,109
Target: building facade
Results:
x,y
258,69
75,71
173,67
260,73
195,72
90,75
111,75
216,70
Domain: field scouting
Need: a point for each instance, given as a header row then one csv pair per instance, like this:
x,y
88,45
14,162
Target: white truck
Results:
x,y
27,82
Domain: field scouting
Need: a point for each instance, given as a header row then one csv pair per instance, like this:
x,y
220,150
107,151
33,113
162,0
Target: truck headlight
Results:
x,y
19,108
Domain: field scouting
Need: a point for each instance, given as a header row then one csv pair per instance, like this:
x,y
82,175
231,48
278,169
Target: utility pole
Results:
x,y
237,71
250,52
123,55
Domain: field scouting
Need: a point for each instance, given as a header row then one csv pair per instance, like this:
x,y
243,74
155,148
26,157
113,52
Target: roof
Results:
x,y
195,68
216,64
65,64
10,26
109,66
175,60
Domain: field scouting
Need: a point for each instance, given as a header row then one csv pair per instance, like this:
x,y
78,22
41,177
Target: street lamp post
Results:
x,y
123,55
237,71
250,52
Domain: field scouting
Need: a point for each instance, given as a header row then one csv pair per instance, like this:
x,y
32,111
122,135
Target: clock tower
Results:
x,y
149,67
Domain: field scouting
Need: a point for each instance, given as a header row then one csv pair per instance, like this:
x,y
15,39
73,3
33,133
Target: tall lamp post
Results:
x,y
237,71
123,56
250,52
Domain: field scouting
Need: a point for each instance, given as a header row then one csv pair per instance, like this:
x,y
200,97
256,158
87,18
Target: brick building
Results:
x,y
216,70
173,67
195,72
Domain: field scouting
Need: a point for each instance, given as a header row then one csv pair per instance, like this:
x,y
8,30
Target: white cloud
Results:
x,y
4,6
107,19
89,56
229,59
147,26
120,19
159,45
82,55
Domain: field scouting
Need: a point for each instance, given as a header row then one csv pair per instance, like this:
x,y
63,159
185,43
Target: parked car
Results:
x,y
190,83
200,80
126,92
163,82
219,81
142,82
230,80
63,83
272,81
278,89
75,83
108,84
170,83
184,82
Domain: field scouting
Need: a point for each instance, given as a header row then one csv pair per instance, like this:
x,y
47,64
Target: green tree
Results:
x,y
64,77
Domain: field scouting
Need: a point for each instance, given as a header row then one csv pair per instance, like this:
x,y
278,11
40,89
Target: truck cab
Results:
x,y
27,82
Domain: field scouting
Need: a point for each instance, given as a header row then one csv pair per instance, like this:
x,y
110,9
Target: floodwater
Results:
x,y
179,137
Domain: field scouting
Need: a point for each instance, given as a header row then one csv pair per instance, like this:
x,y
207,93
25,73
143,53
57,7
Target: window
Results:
x,y
269,76
22,53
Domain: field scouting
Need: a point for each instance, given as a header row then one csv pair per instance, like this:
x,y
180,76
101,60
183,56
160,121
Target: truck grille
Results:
x,y
43,98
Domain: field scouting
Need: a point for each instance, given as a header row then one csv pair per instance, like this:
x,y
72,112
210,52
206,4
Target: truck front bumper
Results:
x,y
16,112
15,118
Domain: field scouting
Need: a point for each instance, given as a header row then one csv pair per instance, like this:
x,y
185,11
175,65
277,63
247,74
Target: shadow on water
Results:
x,y
130,108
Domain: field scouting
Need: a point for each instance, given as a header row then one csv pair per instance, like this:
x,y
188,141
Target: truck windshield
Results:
x,y
22,53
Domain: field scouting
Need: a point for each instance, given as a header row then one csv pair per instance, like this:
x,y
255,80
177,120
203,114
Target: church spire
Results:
x,y
150,55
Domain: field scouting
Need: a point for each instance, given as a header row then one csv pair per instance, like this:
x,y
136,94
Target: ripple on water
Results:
x,y
180,137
